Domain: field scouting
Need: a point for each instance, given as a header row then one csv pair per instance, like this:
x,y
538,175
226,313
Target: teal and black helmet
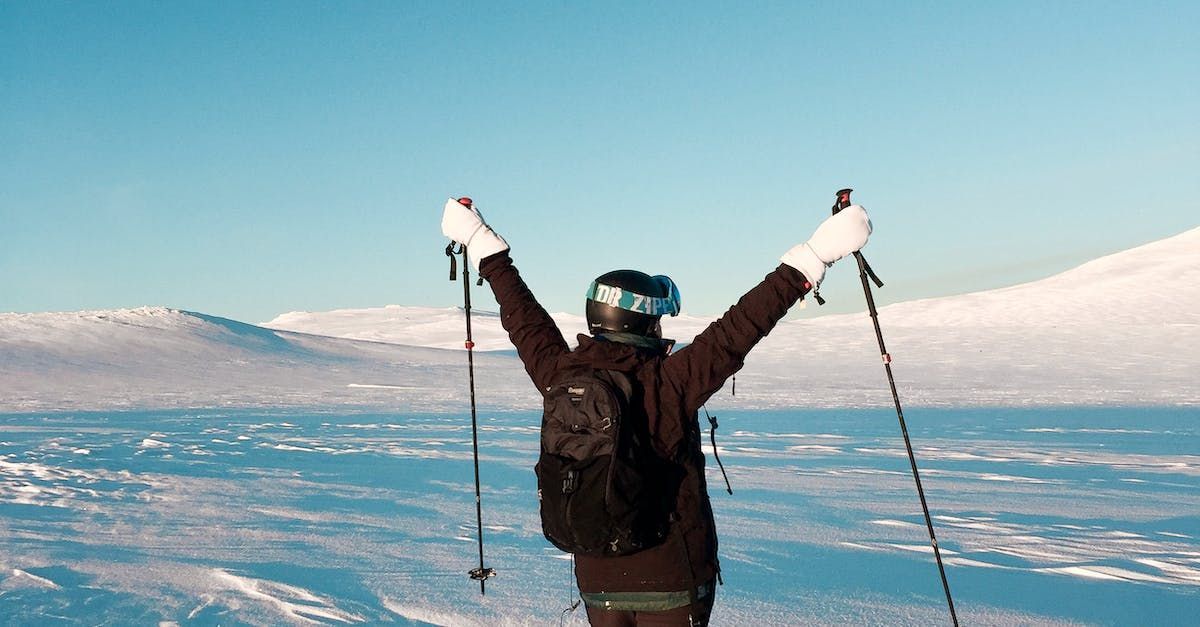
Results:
x,y
628,301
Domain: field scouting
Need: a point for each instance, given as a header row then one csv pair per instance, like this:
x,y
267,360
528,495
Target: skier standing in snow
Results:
x,y
672,582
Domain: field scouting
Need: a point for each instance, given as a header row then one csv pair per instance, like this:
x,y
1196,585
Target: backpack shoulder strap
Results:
x,y
619,381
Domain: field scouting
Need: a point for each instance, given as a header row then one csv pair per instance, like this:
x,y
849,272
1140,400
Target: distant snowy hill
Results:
x,y
159,357
438,328
1122,329
415,326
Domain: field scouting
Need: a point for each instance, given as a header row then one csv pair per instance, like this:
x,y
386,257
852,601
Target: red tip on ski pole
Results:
x,y
466,201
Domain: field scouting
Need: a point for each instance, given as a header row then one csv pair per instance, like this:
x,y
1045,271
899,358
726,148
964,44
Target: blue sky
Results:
x,y
247,159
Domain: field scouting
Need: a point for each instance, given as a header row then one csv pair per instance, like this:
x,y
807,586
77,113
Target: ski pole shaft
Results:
x,y
470,345
864,270
482,573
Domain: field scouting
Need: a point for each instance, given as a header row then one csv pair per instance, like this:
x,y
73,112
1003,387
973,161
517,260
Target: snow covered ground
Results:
x,y
1063,516
1120,330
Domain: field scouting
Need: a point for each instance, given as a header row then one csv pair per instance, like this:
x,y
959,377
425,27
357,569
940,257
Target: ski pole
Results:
x,y
864,270
482,573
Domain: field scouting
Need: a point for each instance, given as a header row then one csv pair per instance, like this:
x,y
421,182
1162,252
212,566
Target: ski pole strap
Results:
x,y
573,601
450,252
712,435
870,272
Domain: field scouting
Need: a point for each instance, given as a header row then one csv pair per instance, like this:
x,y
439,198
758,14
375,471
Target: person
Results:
x,y
672,583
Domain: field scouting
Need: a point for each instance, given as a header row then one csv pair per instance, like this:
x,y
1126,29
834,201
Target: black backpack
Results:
x,y
603,489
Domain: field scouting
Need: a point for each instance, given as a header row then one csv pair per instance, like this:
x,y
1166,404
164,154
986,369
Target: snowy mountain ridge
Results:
x,y
154,357
1119,329
1157,282
440,327
1153,283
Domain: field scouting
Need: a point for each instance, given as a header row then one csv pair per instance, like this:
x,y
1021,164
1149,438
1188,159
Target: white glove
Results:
x,y
838,236
465,225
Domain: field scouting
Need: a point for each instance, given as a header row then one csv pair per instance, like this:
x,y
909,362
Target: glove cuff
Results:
x,y
484,243
803,258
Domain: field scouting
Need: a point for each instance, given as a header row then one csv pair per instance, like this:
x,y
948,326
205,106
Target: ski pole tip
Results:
x,y
482,573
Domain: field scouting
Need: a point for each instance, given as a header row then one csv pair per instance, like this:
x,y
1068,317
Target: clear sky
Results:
x,y
245,159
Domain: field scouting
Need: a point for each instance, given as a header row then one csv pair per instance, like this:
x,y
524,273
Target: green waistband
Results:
x,y
643,601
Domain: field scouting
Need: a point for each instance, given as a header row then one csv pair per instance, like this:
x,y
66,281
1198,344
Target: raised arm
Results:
x,y
699,370
537,338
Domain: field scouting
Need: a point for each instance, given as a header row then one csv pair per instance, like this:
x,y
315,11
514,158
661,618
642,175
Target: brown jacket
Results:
x,y
672,389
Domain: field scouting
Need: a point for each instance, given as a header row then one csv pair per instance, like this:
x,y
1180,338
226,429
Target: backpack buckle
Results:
x,y
570,482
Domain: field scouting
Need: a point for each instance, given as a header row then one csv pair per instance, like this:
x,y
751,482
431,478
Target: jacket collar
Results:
x,y
622,348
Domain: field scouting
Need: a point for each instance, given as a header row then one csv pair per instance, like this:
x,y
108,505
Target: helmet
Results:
x,y
628,301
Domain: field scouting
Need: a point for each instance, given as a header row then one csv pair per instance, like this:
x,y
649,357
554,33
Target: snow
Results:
x,y
160,357
19,578
331,517
1122,329
437,328
295,603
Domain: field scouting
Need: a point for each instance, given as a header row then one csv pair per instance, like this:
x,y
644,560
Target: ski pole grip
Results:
x,y
843,200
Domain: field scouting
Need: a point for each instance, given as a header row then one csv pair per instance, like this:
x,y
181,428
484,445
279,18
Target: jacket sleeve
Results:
x,y
538,340
700,369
